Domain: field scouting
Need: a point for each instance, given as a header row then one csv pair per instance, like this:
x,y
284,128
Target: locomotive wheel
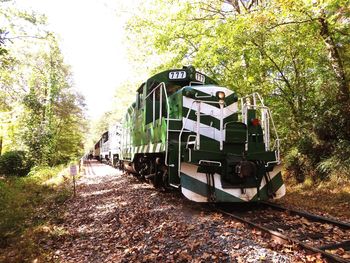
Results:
x,y
151,169
165,179
140,167
160,178
136,165
157,180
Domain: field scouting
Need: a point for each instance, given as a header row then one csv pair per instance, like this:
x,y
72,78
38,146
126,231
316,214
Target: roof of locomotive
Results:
x,y
175,78
181,77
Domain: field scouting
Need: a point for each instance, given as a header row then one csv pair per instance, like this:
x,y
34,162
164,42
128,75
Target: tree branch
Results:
x,y
293,22
275,64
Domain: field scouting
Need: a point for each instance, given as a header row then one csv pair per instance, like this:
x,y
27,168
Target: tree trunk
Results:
x,y
0,145
336,61
235,5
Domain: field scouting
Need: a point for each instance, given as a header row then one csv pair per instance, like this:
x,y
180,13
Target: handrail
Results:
x,y
276,146
253,95
203,96
195,82
189,149
160,119
180,134
188,140
162,88
198,134
266,118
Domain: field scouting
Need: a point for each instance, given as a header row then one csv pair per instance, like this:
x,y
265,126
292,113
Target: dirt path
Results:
x,y
115,218
90,220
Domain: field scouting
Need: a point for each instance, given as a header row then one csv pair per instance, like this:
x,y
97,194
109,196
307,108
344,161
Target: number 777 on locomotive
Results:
x,y
186,131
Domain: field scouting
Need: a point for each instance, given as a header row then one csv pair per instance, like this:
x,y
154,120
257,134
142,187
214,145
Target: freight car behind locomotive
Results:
x,y
107,149
96,152
114,134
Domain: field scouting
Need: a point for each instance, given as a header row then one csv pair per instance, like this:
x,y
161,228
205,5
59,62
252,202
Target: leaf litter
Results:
x,y
116,218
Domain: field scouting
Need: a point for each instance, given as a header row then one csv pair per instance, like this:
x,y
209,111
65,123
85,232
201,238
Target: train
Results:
x,y
108,147
187,132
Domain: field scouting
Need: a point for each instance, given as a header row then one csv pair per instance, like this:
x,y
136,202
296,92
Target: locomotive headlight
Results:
x,y
220,95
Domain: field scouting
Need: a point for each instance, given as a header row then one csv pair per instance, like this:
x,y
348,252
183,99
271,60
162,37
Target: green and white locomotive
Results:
x,y
186,131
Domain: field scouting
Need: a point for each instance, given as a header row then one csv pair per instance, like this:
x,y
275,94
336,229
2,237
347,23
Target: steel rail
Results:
x,y
344,244
317,218
329,256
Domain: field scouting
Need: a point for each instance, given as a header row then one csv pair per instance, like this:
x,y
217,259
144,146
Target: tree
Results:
x,y
47,115
54,115
295,53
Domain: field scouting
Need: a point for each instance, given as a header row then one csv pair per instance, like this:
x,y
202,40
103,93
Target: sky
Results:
x,y
91,38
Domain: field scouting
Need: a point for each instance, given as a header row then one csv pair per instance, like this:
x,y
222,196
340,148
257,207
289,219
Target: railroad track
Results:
x,y
318,234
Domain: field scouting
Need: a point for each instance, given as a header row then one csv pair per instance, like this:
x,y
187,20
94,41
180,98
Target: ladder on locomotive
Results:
x,y
255,101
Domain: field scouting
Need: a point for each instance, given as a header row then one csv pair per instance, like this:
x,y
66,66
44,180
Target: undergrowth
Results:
x,y
28,207
327,197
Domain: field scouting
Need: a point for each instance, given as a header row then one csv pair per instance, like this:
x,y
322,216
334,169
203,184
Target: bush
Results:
x,y
28,207
294,165
44,172
337,165
14,163
319,160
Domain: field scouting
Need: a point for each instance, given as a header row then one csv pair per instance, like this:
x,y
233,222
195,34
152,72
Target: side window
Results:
x,y
139,100
139,97
152,102
172,88
105,137
154,89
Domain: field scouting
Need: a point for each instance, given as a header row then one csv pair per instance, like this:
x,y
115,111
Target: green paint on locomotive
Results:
x,y
138,120
162,118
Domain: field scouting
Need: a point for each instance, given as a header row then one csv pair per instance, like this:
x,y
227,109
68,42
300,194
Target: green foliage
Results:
x,y
14,163
294,53
337,165
24,205
295,164
53,120
42,173
42,115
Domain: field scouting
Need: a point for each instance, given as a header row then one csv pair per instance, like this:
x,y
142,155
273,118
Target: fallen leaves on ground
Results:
x,y
115,218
